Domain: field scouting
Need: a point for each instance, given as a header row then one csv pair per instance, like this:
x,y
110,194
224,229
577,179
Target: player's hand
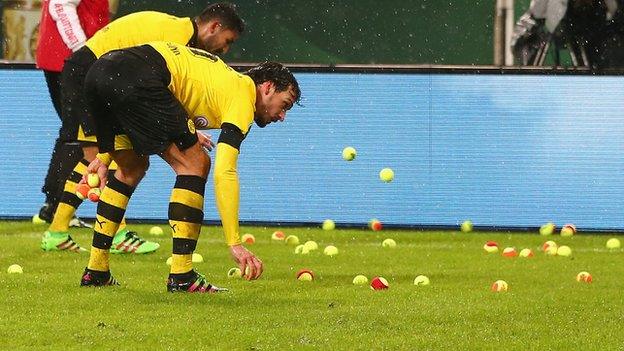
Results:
x,y
98,167
205,140
244,258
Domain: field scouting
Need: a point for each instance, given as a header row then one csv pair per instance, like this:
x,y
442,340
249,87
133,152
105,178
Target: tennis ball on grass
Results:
x,y
551,251
379,283
311,245
526,253
248,239
376,225
466,226
564,251
196,258
330,250
305,275
510,252
360,280
389,243
421,280
549,245
156,230
499,286
490,247
234,273
613,243
547,229
15,269
584,277
278,235
292,240
328,224
37,220
568,230
348,153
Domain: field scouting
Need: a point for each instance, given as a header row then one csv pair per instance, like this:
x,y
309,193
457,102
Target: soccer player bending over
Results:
x,y
152,97
214,30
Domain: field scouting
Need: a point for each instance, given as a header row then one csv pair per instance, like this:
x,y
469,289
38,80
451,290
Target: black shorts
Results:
x,y
75,109
127,94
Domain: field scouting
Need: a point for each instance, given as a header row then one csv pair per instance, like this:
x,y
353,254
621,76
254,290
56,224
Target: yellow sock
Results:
x,y
110,212
69,201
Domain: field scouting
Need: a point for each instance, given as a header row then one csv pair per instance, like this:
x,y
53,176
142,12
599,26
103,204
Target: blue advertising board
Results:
x,y
504,150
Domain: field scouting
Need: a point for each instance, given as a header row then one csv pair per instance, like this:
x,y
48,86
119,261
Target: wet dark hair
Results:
x,y
277,74
225,13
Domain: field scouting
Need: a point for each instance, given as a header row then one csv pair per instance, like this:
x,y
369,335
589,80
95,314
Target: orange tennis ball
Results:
x,y
305,275
379,283
82,191
499,286
94,194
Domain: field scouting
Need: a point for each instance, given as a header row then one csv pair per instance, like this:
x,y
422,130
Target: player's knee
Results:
x,y
132,174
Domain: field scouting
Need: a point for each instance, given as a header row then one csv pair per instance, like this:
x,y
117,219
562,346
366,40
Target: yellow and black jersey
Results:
x,y
142,27
211,92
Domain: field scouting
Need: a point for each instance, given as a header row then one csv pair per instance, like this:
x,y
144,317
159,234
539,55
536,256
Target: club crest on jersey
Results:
x,y
200,122
191,126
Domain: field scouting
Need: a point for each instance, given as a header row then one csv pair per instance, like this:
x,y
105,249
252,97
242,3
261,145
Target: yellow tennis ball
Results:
x,y
551,250
234,273
389,243
564,251
93,180
328,224
526,253
547,229
299,249
360,280
421,280
466,226
37,220
169,261
386,175
330,250
156,230
568,230
196,258
15,269
292,240
311,245
348,153
613,243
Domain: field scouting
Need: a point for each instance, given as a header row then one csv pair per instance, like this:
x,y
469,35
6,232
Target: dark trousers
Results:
x,y
67,151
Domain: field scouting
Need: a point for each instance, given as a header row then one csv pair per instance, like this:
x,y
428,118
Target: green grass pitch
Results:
x,y
545,307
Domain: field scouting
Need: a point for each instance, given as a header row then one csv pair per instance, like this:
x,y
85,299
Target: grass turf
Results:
x,y
545,308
